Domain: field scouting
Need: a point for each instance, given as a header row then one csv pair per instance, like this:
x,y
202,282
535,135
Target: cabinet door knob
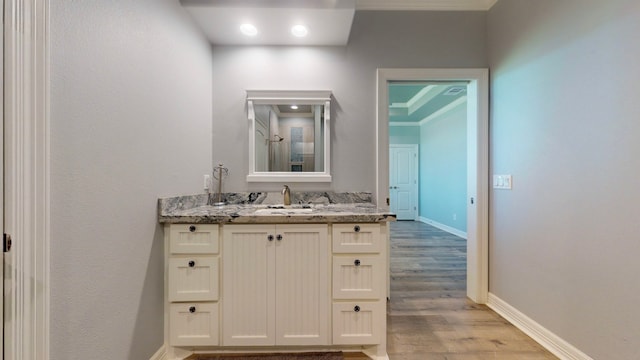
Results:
x,y
270,237
192,228
279,237
192,263
356,228
356,308
356,263
192,309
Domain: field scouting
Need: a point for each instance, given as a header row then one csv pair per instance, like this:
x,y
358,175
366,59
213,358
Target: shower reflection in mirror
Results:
x,y
288,138
289,135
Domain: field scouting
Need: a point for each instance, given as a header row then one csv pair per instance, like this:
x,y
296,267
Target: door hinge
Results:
x,y
6,243
388,203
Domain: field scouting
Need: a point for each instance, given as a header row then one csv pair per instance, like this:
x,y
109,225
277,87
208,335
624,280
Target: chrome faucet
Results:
x,y
287,195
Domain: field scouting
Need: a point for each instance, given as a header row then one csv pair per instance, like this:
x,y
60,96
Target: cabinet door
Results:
x,y
358,323
248,290
193,239
193,278
193,324
357,276
302,287
357,238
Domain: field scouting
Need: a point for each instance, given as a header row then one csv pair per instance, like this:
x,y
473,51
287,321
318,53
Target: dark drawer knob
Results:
x,y
270,237
356,263
279,237
192,309
356,228
192,263
192,228
356,308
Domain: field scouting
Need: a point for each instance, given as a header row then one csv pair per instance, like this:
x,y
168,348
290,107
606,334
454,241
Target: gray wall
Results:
x,y
565,110
134,89
443,169
131,121
378,40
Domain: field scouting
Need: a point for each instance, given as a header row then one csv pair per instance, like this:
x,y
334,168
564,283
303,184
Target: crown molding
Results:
x,y
426,5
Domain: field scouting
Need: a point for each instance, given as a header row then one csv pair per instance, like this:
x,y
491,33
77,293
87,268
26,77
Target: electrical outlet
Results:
x,y
207,181
455,217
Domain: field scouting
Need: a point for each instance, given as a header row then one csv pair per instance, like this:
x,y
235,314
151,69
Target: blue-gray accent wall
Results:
x,y
442,166
404,135
443,169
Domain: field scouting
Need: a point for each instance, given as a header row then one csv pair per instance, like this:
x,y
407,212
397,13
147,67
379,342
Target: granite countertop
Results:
x,y
263,208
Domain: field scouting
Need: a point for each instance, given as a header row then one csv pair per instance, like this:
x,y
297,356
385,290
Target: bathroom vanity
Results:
x,y
253,277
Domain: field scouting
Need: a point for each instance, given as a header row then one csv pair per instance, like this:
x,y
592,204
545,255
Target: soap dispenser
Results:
x,y
287,195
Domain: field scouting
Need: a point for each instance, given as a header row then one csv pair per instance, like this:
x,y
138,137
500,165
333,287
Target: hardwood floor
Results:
x,y
429,316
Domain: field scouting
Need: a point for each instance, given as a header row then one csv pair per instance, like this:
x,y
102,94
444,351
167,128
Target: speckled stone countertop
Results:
x,y
266,208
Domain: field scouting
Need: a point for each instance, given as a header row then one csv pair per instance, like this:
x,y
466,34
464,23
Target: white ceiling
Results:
x,y
328,21
220,21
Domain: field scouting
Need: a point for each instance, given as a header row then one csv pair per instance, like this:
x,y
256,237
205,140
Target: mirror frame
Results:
x,y
280,97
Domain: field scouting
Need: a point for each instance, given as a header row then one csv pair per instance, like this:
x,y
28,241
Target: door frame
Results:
x,y
477,161
27,171
2,52
416,169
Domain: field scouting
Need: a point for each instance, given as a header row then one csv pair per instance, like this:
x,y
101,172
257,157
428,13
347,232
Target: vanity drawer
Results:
x,y
193,239
193,278
358,323
357,238
194,324
357,276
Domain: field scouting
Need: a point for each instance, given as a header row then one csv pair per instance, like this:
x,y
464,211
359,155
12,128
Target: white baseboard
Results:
x,y
443,227
537,332
161,354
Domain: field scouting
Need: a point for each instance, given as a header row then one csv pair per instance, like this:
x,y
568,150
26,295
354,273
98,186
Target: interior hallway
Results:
x,y
429,316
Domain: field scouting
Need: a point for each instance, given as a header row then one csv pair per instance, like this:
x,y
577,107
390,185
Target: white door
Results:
x,y
248,285
302,280
403,181
275,282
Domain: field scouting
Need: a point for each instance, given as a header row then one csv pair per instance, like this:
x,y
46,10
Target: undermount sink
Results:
x,y
285,210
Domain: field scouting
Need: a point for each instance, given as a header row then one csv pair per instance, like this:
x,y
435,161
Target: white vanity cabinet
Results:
x,y
287,287
192,285
275,285
359,308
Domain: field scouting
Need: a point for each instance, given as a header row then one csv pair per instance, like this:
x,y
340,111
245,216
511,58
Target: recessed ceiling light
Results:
x,y
248,30
294,107
299,31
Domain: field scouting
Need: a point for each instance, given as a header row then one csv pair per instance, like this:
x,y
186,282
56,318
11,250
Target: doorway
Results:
x,y
477,87
403,180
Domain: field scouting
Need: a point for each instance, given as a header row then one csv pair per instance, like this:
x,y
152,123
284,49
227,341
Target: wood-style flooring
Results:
x,y
429,316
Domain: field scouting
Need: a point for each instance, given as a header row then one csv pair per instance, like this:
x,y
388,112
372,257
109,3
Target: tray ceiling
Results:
x,y
220,20
413,103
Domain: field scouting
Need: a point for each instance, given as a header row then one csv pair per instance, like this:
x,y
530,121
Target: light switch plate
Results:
x,y
503,182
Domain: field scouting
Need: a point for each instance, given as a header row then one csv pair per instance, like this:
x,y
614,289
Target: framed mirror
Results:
x,y
289,136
